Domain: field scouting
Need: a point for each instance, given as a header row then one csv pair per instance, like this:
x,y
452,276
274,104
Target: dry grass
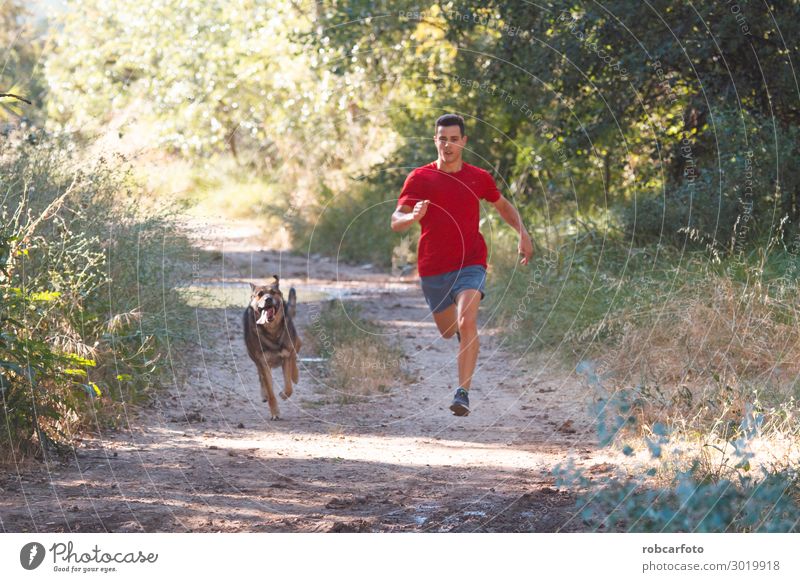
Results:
x,y
707,355
360,362
718,331
363,367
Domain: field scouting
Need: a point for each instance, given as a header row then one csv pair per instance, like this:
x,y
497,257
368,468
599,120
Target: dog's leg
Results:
x,y
287,377
295,370
265,376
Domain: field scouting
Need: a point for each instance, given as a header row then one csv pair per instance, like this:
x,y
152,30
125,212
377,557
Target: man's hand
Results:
x,y
512,217
405,216
420,208
525,248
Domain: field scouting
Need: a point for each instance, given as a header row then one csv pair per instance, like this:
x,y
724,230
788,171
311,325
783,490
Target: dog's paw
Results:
x,y
284,395
274,417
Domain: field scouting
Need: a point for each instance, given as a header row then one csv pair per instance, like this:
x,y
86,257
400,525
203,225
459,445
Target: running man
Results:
x,y
443,197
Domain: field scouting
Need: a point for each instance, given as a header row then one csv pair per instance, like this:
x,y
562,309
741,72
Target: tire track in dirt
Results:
x,y
206,457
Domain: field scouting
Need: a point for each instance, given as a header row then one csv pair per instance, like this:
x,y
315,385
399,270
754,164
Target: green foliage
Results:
x,y
20,54
30,370
688,339
688,503
352,225
581,108
728,498
203,72
86,281
575,282
210,80
206,77
729,207
578,108
590,290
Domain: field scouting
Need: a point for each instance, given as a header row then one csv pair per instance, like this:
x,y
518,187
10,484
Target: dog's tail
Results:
x,y
292,302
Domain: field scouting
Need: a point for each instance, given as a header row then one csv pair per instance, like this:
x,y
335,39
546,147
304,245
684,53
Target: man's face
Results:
x,y
449,142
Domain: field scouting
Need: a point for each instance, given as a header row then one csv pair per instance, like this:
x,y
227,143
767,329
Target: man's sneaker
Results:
x,y
460,405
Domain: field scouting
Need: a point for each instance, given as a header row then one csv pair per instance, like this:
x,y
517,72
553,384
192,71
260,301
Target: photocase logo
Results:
x,y
31,556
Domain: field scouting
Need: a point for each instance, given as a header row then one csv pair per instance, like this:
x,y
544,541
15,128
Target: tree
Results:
x,y
586,106
208,77
17,83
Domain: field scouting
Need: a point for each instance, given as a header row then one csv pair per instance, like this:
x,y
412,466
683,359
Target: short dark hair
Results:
x,y
449,119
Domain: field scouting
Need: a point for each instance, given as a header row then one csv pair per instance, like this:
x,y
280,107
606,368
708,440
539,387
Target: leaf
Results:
x,y
655,448
12,366
660,429
96,389
45,295
81,361
91,389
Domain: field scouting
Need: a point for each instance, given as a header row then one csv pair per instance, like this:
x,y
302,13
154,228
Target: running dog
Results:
x,y
271,339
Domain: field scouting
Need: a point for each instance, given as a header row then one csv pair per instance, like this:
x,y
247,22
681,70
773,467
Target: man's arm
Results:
x,y
512,217
405,216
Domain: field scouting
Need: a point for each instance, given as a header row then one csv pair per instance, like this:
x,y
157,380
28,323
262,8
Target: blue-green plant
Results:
x,y
730,497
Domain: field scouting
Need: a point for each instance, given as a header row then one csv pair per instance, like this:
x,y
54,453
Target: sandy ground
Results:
x,y
205,457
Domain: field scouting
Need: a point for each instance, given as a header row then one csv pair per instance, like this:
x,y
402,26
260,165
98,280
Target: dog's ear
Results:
x,y
277,280
252,287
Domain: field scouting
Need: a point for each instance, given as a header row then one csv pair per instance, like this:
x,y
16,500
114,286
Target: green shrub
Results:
x,y
692,216
699,482
353,225
567,295
727,498
693,337
87,283
726,198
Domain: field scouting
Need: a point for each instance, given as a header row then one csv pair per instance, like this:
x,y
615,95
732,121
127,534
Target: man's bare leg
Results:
x,y
446,321
467,303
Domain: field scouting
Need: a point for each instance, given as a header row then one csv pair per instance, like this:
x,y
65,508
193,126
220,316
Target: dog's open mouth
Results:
x,y
266,316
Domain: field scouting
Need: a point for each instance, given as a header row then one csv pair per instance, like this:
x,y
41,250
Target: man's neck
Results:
x,y
450,168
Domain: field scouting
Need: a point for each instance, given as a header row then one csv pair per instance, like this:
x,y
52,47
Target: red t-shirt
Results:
x,y
450,238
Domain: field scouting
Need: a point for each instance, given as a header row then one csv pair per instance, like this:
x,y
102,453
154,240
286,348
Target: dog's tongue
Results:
x,y
266,316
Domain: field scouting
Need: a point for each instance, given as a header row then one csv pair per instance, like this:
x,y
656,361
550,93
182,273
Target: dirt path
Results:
x,y
207,458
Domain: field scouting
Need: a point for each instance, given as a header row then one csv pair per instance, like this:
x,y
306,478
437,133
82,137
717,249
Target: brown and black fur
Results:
x,y
272,343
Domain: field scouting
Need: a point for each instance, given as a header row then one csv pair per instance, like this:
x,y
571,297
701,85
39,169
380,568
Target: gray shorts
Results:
x,y
441,290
